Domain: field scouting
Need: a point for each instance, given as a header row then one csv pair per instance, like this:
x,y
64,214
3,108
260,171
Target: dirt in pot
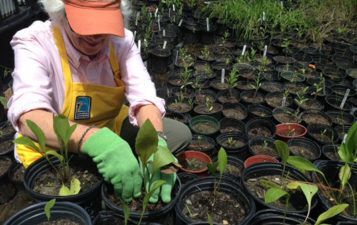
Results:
x,y
48,183
237,113
303,152
5,163
316,119
6,146
60,222
192,164
259,132
222,207
232,143
181,107
201,145
264,150
204,128
258,187
233,170
286,118
322,137
229,129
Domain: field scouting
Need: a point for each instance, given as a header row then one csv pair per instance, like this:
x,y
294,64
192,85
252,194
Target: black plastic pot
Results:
x,y
214,109
322,134
6,164
235,111
331,171
334,102
259,128
316,117
251,97
275,99
42,166
233,161
7,191
274,217
205,121
202,143
229,96
285,115
112,218
330,152
186,177
259,111
263,141
272,86
268,169
149,216
341,118
313,149
159,60
234,143
208,184
35,214
231,125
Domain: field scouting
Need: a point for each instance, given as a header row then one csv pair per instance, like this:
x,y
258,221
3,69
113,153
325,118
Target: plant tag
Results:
x,y
156,10
176,57
158,22
137,18
223,73
164,33
244,48
263,16
145,42
173,7
139,45
207,24
345,98
170,12
134,34
265,51
281,4
180,23
164,45
283,103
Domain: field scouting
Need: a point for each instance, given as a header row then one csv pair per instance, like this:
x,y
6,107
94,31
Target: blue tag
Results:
x,y
83,107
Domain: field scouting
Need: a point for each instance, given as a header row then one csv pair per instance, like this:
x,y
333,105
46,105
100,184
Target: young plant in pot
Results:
x,y
287,131
206,54
282,181
58,174
158,168
214,199
208,108
180,104
194,162
254,97
230,95
340,183
51,212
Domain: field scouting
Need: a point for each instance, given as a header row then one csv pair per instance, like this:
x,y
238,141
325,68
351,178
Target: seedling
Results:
x,y
319,86
209,104
257,84
232,79
206,53
301,98
63,132
153,158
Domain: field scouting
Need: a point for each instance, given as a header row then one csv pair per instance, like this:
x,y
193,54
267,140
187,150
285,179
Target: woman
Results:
x,y
83,64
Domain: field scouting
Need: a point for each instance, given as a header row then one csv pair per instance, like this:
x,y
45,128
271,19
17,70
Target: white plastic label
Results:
x,y
344,98
176,58
170,12
180,23
164,33
207,24
244,48
283,103
263,16
173,8
164,45
223,73
265,51
134,34
158,22
157,10
137,18
139,45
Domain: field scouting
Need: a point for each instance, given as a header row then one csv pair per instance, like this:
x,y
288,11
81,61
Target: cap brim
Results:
x,y
89,21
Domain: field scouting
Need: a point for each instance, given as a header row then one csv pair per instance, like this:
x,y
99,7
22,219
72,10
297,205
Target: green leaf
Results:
x,y
212,168
282,149
344,175
348,149
222,160
209,219
162,157
69,133
38,133
344,154
303,164
331,212
273,194
146,141
155,185
49,205
74,188
54,153
28,143
60,126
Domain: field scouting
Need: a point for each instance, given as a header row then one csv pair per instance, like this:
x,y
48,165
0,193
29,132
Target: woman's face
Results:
x,y
89,45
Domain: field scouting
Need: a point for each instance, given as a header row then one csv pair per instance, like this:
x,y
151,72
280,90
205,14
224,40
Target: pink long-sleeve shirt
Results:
x,y
38,81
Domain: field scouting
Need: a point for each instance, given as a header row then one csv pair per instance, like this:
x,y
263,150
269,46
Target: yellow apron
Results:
x,y
88,104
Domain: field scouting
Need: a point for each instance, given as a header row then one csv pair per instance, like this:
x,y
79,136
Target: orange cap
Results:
x,y
90,17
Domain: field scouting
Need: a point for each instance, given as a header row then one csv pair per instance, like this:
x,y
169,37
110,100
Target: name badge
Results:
x,y
83,107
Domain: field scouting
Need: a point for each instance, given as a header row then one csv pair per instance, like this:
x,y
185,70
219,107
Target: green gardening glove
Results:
x,y
165,190
116,162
